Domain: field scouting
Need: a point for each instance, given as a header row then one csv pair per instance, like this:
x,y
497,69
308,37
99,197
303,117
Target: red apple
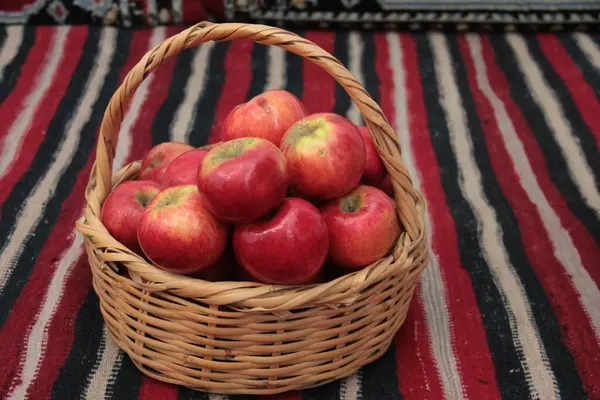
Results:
x,y
288,246
178,233
266,116
362,226
123,209
158,159
325,155
243,179
375,171
184,169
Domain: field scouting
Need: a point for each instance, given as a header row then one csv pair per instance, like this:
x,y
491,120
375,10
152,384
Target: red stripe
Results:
x,y
319,86
294,395
193,11
78,283
34,134
237,82
477,369
575,325
152,389
418,377
18,6
582,93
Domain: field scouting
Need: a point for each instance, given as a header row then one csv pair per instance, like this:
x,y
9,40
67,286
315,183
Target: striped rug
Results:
x,y
501,134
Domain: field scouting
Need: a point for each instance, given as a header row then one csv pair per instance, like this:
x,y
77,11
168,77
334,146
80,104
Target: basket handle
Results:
x,y
382,133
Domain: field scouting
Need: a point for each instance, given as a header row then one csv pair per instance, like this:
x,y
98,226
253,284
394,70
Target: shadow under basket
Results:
x,y
242,337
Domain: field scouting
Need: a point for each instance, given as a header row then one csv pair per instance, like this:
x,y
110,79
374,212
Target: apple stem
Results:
x,y
350,204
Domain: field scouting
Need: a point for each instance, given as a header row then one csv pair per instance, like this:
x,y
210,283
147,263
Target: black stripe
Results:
x,y
330,391
555,163
207,103
368,61
72,377
189,394
560,359
260,69
579,128
88,327
128,380
294,72
161,126
509,371
340,51
39,167
370,79
590,73
379,379
12,72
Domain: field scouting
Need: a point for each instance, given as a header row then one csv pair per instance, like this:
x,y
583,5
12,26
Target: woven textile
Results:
x,y
501,133
393,14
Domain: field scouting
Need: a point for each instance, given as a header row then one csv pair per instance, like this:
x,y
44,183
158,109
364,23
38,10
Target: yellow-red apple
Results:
x,y
158,159
123,209
178,233
266,116
325,155
243,179
288,246
362,226
184,169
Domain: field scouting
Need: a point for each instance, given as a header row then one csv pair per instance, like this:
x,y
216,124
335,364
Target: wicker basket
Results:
x,y
240,337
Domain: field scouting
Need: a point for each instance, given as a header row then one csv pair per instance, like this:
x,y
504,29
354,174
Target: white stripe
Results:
x,y
541,380
545,97
213,396
14,37
13,141
29,215
37,336
351,387
587,45
184,119
564,249
102,376
276,78
432,288
177,11
355,47
141,93
152,9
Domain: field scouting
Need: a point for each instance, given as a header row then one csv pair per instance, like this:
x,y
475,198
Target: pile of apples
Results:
x,y
285,198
